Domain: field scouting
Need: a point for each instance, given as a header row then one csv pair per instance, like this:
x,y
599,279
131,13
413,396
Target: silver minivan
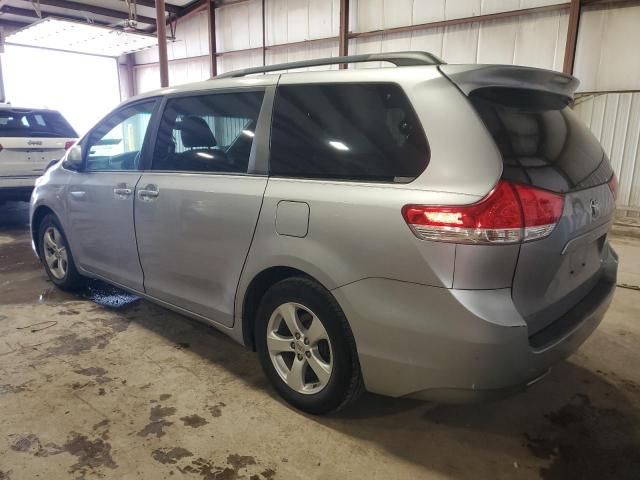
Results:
x,y
432,231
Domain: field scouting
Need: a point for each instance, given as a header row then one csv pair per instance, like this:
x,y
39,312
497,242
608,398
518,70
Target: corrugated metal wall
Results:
x,y
614,118
536,40
190,48
605,60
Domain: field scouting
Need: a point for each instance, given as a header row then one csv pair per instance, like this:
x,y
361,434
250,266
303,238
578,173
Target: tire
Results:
x,y
307,302
63,273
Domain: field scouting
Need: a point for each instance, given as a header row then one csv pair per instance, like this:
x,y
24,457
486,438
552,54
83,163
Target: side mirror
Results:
x,y
73,161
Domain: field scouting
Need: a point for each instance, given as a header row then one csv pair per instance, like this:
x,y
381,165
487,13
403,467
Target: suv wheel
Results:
x,y
56,255
306,347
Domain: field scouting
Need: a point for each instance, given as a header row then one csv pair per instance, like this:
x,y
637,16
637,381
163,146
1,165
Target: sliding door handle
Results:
x,y
148,193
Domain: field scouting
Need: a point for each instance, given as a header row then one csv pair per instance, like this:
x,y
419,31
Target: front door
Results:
x,y
100,197
197,207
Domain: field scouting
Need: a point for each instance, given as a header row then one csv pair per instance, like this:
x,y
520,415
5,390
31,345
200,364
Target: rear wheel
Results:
x,y
306,347
56,255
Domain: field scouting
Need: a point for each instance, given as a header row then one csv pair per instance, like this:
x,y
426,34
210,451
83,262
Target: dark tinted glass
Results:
x,y
208,133
542,141
34,123
347,131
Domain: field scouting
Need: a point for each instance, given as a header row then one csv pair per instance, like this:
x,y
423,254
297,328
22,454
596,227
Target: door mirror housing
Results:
x,y
73,161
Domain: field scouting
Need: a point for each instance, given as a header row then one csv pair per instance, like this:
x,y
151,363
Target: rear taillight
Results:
x,y
613,186
510,213
68,145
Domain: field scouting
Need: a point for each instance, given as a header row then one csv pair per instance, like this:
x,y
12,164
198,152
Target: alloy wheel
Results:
x,y
55,253
299,348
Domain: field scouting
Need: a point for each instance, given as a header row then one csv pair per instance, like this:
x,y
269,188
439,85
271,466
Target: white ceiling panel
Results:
x,y
80,37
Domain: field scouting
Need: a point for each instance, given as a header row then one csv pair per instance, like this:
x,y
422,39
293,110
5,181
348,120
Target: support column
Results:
x,y
131,76
161,32
213,50
572,37
343,47
264,35
2,94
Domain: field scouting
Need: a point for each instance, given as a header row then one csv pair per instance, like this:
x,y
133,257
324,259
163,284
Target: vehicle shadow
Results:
x,y
574,424
14,217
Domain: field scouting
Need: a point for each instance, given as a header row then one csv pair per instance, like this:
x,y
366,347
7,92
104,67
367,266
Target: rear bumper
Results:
x,y
458,346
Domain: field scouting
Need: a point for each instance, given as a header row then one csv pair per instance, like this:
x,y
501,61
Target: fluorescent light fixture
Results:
x,y
204,155
249,133
57,34
338,145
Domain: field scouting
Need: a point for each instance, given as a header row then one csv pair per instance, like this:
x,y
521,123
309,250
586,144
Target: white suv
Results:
x,y
29,140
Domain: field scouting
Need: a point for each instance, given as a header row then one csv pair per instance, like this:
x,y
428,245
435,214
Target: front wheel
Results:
x,y
306,347
56,255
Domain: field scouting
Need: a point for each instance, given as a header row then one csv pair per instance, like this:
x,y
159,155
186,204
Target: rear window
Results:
x,y
542,141
34,123
362,132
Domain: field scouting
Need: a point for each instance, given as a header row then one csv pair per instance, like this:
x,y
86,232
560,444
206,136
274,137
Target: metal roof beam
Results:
x,y
152,4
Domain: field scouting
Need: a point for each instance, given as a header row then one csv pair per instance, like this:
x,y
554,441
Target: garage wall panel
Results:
x,y
614,118
539,40
497,42
238,61
397,13
191,41
296,53
462,8
239,26
534,40
180,72
298,20
606,51
382,14
425,12
321,18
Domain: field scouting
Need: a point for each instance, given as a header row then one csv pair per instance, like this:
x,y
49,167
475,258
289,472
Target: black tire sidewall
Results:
x,y
72,277
321,302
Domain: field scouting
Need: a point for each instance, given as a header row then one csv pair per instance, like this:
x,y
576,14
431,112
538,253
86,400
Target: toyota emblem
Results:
x,y
594,206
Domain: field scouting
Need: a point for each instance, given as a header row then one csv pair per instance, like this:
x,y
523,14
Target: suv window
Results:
x,y
115,144
366,132
34,123
208,133
542,141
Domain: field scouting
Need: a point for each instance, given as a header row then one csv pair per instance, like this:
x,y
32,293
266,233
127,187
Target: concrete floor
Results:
x,y
103,385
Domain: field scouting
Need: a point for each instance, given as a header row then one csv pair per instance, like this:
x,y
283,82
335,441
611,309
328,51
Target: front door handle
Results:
x,y
148,193
122,191
78,193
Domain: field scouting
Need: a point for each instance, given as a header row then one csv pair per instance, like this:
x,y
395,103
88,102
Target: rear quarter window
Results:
x,y
542,141
359,132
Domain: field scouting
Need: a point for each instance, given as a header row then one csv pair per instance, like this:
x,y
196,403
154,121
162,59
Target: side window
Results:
x,y
115,144
207,133
366,132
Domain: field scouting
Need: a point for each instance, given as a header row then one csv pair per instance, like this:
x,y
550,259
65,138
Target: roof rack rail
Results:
x,y
399,59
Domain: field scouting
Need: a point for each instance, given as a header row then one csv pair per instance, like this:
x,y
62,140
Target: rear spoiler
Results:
x,y
472,77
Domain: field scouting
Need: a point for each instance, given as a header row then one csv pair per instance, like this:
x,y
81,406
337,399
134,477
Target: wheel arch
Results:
x,y
256,289
36,219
